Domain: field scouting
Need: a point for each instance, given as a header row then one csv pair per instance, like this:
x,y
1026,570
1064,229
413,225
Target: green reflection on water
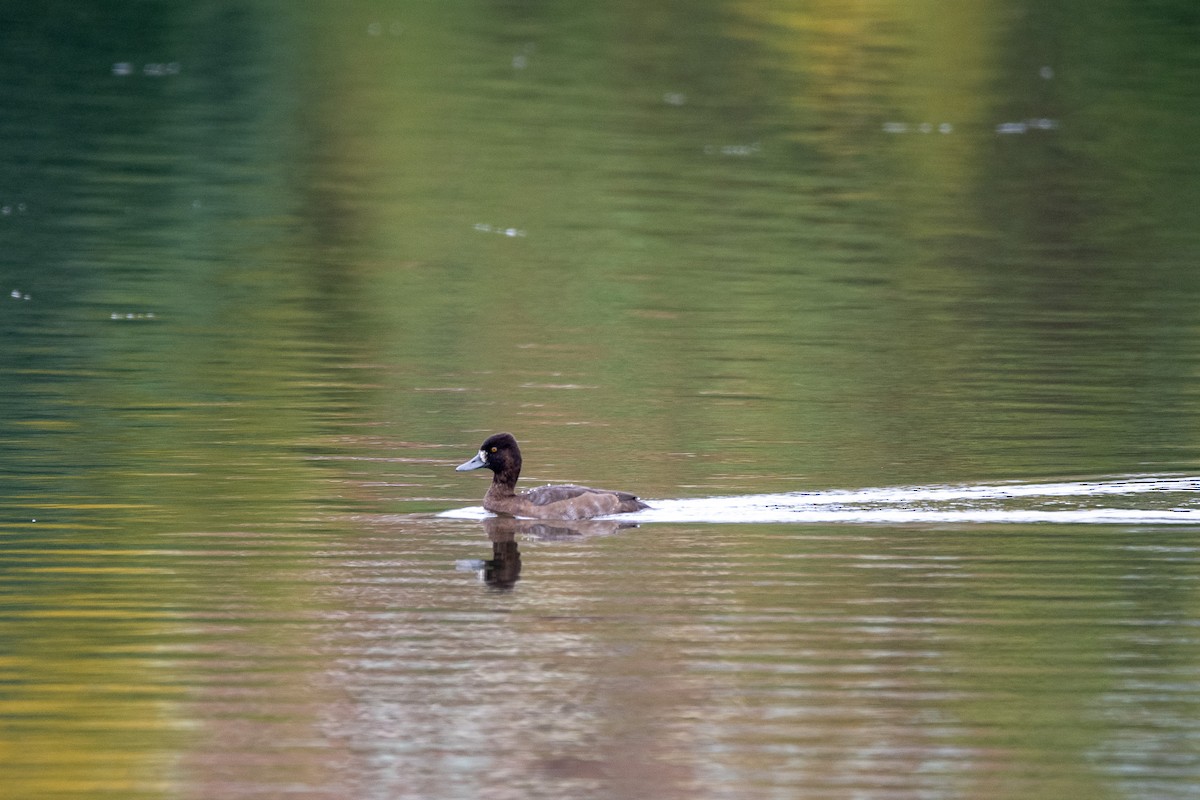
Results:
x,y
688,250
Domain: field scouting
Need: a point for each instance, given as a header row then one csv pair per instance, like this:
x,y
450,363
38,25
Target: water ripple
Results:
x,y
1123,500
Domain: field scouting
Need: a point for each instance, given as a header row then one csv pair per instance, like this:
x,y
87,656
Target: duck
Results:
x,y
500,453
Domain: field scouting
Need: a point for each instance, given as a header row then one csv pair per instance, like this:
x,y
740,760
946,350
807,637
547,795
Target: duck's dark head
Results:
x,y
499,453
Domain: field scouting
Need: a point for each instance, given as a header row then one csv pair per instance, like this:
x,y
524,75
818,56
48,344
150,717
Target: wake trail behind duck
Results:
x,y
1127,500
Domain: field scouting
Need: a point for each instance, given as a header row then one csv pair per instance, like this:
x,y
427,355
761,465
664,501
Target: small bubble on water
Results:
x,y
1047,73
520,61
500,230
738,150
122,68
159,70
674,98
378,29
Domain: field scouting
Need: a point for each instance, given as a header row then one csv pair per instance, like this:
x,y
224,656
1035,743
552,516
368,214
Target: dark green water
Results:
x,y
268,272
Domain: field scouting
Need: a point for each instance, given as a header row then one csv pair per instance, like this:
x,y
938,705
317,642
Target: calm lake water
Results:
x,y
889,310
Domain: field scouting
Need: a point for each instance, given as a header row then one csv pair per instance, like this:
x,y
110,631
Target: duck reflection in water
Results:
x,y
504,568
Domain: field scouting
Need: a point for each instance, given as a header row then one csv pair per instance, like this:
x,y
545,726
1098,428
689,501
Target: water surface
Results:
x,y
889,312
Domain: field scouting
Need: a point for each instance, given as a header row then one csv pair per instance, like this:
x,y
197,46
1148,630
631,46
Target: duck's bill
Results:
x,y
475,463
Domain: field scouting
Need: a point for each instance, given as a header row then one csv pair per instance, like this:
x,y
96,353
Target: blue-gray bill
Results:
x,y
475,463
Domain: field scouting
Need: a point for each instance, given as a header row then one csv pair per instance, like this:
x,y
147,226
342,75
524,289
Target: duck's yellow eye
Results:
x,y
494,449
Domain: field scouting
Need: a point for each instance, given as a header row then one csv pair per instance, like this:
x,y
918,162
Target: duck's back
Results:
x,y
567,501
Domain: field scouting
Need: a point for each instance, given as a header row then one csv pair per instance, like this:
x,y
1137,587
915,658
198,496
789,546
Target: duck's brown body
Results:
x,y
558,502
500,454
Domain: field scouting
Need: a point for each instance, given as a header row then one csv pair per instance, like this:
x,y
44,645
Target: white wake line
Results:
x,y
928,494
919,504
905,516
898,516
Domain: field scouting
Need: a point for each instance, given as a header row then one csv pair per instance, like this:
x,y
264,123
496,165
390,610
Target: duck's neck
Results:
x,y
504,483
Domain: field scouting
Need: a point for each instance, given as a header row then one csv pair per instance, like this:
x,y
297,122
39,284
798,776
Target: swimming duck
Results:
x,y
500,454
